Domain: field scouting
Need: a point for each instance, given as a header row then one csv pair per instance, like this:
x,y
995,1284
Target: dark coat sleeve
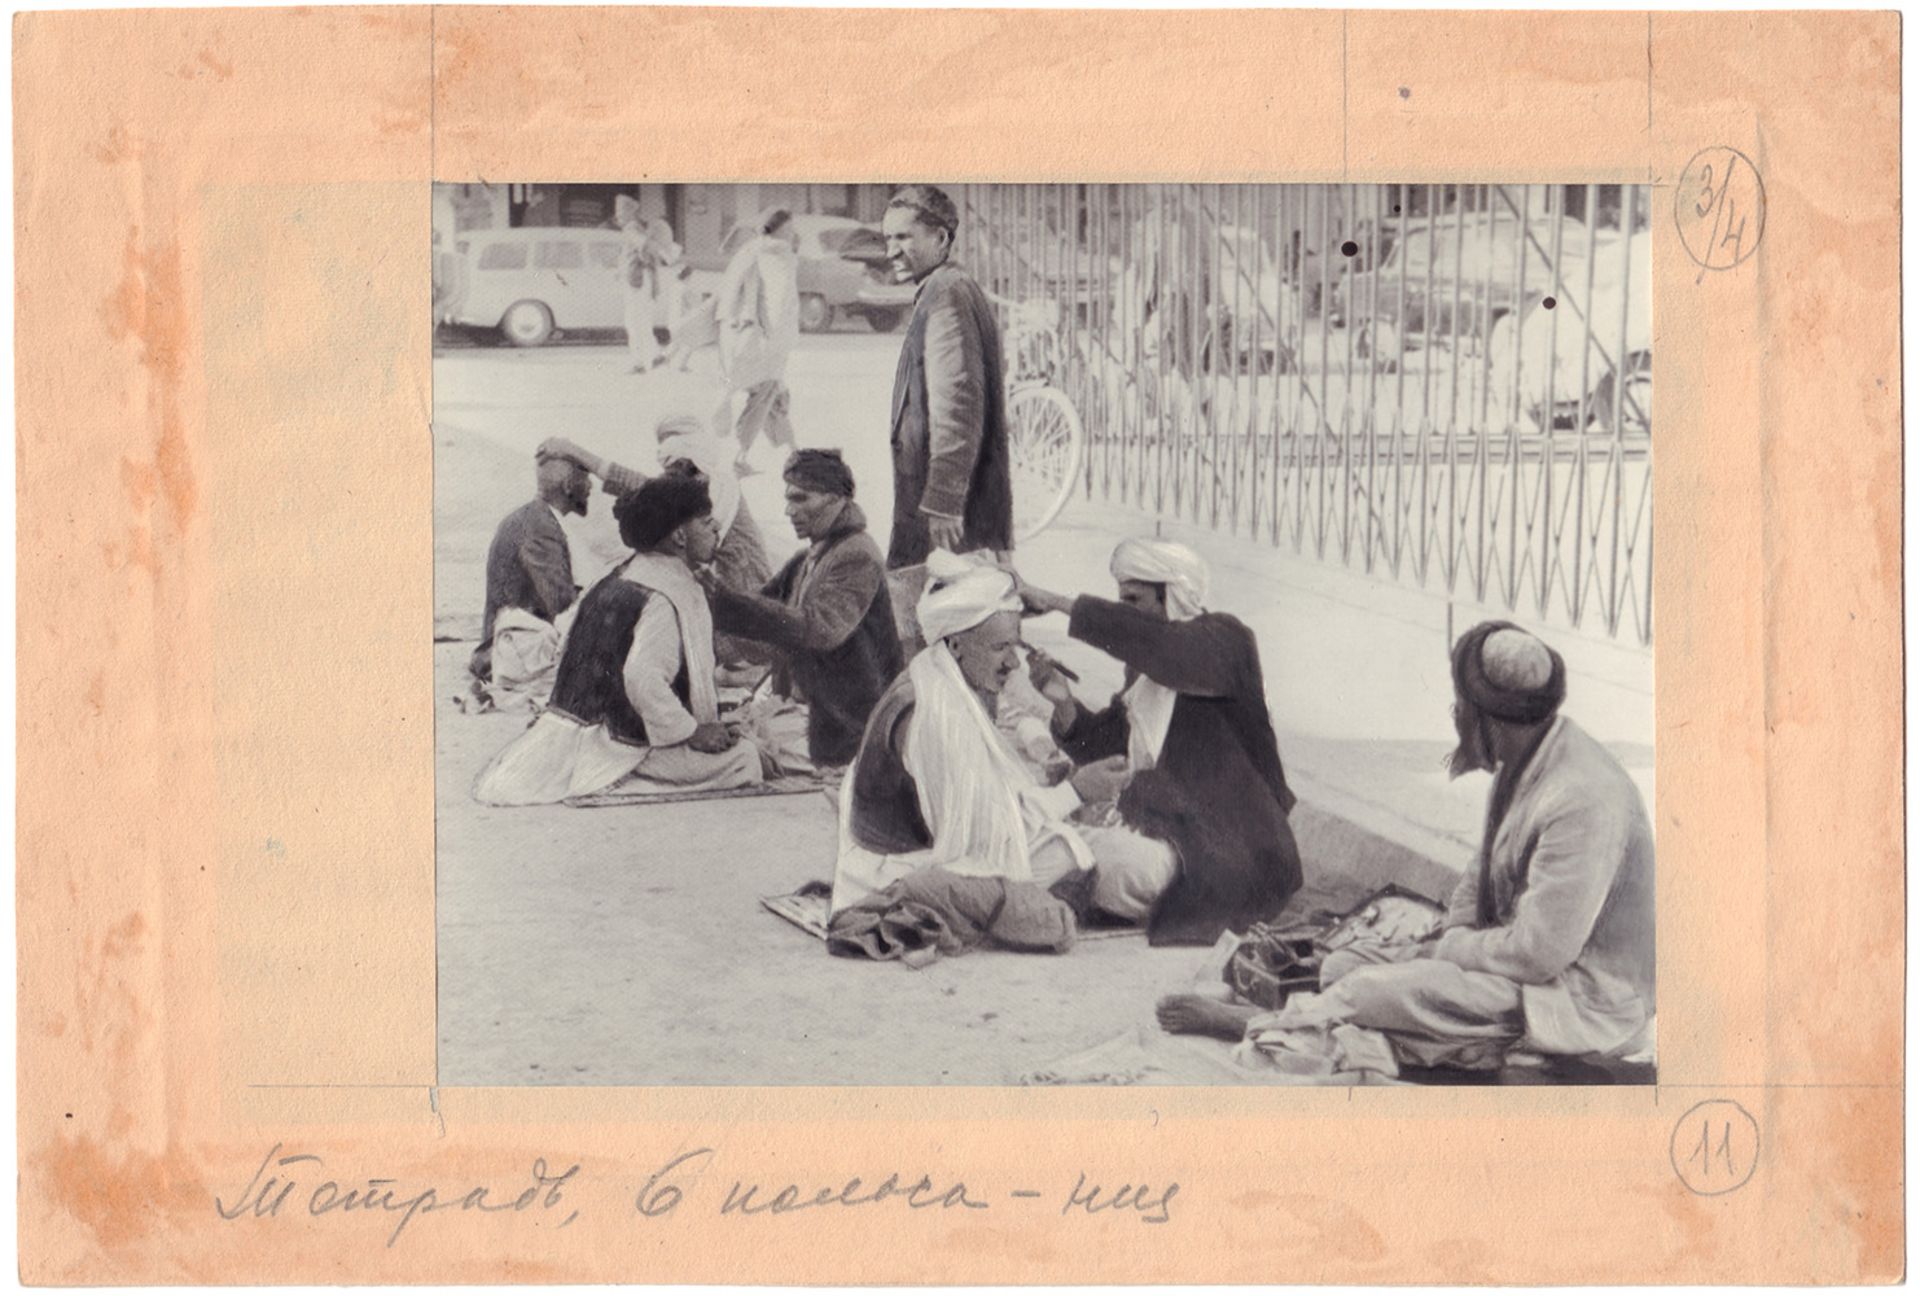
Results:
x,y
1202,657
841,592
1096,735
549,569
956,372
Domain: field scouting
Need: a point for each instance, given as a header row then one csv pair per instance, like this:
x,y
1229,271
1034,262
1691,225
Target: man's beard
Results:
x,y
1475,751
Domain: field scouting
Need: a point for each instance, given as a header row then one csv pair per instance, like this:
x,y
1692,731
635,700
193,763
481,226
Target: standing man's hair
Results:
x,y
822,471
774,221
930,206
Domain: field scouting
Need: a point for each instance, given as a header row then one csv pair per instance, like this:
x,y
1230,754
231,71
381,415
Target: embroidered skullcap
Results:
x,y
1507,674
820,470
1162,562
961,593
651,513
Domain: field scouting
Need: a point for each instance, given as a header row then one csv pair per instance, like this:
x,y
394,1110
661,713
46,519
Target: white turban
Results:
x,y
961,593
1162,562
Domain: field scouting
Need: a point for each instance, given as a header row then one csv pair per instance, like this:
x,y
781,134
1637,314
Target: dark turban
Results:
x,y
653,512
820,470
1505,673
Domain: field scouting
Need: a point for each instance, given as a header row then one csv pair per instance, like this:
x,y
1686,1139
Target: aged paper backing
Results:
x,y
225,835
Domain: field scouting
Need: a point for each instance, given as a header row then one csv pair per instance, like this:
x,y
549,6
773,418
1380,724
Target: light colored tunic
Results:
x,y
1567,967
558,757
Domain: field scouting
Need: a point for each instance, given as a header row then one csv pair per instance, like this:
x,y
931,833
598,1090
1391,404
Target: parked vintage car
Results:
x,y
535,282
1227,304
1477,268
1616,373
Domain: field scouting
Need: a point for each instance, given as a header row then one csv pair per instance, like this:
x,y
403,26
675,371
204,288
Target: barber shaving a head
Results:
x,y
1197,766
936,785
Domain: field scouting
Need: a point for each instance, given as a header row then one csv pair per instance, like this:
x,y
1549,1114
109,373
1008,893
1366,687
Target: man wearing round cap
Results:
x,y
684,443
634,702
1548,943
826,614
1196,764
952,487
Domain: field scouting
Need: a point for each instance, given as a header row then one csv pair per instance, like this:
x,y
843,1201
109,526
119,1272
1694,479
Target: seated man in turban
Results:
x,y
529,587
1191,731
1548,943
826,615
634,701
936,793
685,443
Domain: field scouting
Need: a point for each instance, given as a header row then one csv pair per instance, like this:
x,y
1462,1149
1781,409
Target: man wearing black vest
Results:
x,y
634,702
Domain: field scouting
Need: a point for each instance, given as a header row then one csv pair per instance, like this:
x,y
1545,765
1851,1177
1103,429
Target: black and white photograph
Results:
x,y
928,633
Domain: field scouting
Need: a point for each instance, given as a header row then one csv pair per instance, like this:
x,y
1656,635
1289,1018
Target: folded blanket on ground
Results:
x,y
935,912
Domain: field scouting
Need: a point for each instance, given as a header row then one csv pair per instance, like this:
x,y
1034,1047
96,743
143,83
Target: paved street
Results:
x,y
625,945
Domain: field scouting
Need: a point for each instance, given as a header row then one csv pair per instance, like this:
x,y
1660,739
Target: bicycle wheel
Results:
x,y
1045,445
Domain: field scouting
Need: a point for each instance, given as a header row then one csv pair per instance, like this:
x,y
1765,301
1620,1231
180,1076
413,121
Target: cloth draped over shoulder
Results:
x,y
741,561
923,795
636,675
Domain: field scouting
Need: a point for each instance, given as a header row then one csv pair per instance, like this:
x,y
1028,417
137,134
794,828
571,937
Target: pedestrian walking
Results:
x,y
757,310
648,254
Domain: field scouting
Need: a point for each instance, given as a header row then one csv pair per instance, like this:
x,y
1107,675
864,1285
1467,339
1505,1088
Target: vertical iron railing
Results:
x,y
1443,385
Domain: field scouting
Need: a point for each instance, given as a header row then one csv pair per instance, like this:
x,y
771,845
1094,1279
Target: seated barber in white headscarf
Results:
x,y
1194,761
935,784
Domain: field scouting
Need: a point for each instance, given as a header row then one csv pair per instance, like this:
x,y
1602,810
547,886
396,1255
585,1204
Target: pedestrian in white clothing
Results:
x,y
647,256
758,313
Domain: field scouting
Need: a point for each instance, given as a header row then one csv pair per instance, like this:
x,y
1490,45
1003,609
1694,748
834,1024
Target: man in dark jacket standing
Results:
x,y
951,485
827,612
528,564
1202,766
